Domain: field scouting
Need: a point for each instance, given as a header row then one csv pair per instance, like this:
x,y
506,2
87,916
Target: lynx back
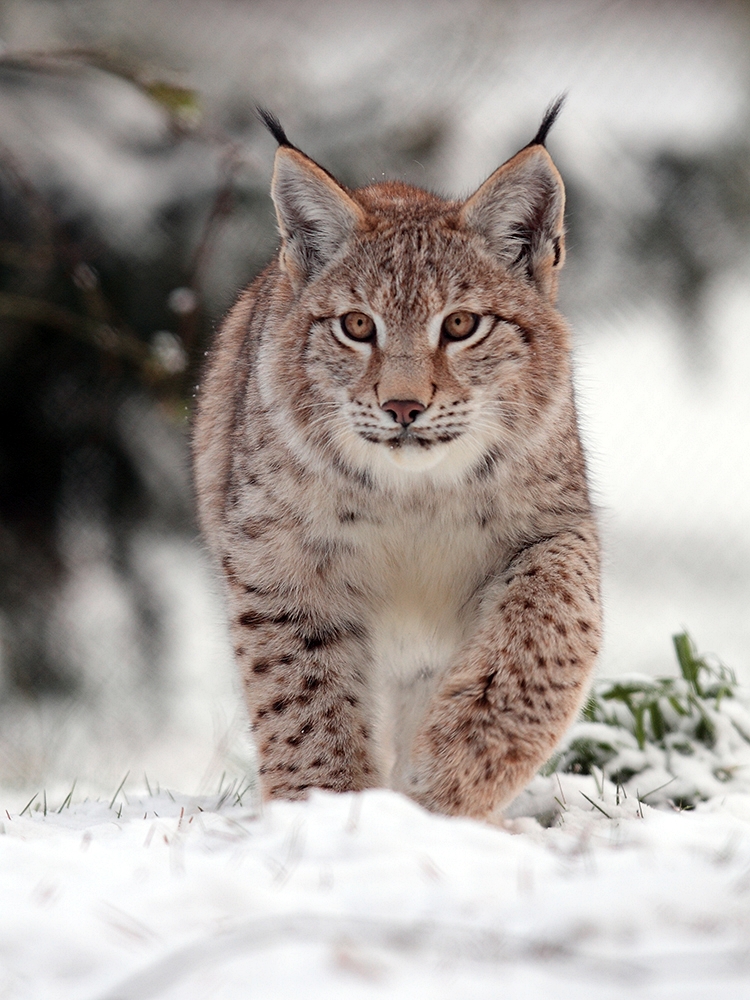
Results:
x,y
389,474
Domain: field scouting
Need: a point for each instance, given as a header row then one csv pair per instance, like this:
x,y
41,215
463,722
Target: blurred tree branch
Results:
x,y
100,325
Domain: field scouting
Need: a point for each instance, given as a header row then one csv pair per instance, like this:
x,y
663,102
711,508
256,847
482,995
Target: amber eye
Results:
x,y
460,325
358,326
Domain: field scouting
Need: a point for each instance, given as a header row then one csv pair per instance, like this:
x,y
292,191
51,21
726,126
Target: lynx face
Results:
x,y
424,327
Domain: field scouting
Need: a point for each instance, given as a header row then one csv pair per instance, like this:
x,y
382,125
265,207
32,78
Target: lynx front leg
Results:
x,y
305,700
499,713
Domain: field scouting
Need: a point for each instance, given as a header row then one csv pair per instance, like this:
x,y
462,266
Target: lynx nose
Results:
x,y
404,411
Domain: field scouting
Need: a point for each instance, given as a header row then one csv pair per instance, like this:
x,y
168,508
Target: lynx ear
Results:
x,y
315,214
519,210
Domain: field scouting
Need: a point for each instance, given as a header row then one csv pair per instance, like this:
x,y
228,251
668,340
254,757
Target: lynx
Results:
x,y
389,473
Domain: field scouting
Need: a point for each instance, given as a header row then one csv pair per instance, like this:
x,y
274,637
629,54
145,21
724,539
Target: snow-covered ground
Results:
x,y
167,896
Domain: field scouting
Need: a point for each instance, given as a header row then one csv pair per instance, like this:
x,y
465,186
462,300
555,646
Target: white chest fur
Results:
x,y
422,574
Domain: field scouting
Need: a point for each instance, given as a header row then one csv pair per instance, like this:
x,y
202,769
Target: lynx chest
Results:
x,y
422,575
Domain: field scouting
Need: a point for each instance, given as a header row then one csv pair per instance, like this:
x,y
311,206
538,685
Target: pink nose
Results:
x,y
404,411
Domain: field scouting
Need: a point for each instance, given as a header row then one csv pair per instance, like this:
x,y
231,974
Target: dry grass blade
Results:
x,y
119,789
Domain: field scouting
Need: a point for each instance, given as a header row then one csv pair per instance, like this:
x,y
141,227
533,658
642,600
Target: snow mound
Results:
x,y
367,895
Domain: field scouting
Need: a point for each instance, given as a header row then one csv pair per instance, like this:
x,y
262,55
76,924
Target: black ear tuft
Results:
x,y
273,125
550,117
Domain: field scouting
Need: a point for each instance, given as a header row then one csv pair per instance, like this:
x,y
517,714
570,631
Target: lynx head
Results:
x,y
412,333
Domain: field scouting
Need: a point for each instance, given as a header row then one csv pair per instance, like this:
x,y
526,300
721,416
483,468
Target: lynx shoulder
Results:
x,y
389,474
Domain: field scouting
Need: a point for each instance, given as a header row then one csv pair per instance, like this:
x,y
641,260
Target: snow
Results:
x,y
367,895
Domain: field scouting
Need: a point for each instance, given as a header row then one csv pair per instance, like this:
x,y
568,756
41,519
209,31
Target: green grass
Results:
x,y
685,736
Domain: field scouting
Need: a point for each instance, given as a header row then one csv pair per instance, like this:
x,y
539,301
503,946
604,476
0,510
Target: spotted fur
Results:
x,y
414,606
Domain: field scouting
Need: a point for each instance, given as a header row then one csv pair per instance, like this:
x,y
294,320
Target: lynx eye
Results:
x,y
358,326
460,325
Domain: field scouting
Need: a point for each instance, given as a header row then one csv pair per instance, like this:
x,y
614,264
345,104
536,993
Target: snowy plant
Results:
x,y
666,740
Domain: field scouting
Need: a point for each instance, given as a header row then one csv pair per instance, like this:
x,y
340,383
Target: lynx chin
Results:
x,y
389,473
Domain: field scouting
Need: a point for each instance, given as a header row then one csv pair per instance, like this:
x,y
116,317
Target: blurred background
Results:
x,y
133,205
